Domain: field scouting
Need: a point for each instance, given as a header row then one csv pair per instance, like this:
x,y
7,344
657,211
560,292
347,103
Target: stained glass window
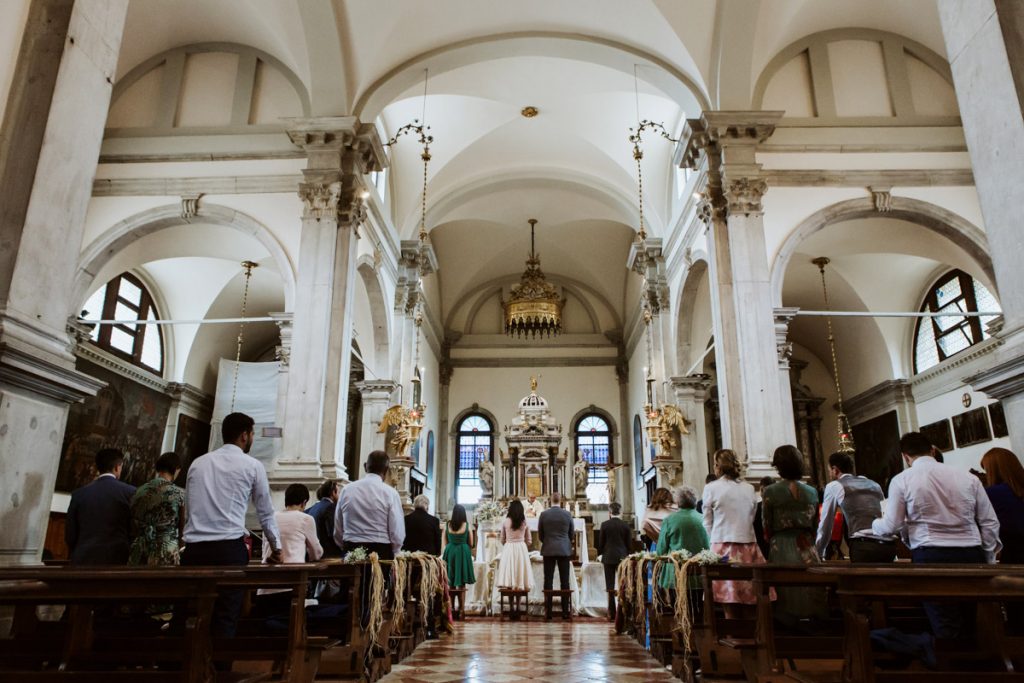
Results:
x,y
939,337
475,443
594,444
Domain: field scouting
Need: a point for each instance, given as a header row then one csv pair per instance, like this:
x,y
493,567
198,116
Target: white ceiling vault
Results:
x,y
591,67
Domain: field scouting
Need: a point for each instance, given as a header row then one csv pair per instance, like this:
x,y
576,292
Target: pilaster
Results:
x,y
755,417
690,393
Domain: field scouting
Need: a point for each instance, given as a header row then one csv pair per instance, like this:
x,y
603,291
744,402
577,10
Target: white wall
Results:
x,y
947,405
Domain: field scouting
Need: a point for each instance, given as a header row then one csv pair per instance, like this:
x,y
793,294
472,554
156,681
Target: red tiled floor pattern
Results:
x,y
496,652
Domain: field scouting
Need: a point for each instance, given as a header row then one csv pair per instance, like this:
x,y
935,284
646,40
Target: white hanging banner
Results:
x,y
255,395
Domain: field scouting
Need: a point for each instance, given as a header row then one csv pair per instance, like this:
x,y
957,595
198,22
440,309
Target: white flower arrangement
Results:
x,y
489,511
355,555
704,557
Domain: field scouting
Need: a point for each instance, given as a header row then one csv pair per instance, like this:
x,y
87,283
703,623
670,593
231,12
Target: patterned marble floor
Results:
x,y
488,651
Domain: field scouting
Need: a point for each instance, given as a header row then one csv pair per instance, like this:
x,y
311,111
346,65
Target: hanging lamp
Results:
x,y
535,306
843,431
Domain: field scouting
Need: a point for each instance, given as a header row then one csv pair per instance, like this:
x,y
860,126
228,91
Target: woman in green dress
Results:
x,y
789,513
458,549
682,530
158,516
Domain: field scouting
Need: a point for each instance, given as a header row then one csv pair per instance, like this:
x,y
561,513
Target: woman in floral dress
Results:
x,y
790,517
158,516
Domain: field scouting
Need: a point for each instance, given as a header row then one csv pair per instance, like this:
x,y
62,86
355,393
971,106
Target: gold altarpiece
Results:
x,y
533,464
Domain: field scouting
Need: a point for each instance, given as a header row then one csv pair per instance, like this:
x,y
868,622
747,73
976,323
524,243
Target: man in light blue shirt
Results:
x,y
369,513
218,489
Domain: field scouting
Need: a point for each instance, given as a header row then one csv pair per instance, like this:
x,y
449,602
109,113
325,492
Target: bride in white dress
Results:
x,y
514,564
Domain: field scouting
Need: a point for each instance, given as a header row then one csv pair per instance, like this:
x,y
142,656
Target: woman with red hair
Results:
x,y
1005,488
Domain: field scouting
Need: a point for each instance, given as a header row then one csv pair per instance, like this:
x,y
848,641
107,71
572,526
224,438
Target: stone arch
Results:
x,y
475,409
684,320
956,229
379,317
594,410
101,250
673,81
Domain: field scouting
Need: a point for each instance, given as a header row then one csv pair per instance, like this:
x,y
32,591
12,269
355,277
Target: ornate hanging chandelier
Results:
x,y
843,431
535,307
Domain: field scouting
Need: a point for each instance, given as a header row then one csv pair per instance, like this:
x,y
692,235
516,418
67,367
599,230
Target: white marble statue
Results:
x,y
487,476
579,472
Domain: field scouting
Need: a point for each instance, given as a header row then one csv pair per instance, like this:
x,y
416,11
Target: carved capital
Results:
x,y
881,197
783,318
743,194
320,200
190,206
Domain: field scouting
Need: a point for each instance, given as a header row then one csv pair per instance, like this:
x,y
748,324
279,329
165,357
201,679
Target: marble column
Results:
x,y
784,348
985,45
340,152
283,353
755,419
52,130
650,264
376,395
690,393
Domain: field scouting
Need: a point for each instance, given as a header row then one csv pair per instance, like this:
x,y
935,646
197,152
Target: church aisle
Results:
x,y
486,651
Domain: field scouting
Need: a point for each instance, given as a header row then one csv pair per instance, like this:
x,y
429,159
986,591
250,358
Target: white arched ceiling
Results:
x,y
878,264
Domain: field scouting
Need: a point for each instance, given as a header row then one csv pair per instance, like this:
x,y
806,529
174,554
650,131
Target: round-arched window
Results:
x,y
125,299
475,442
939,337
594,444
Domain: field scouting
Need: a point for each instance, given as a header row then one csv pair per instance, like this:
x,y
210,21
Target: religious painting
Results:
x,y
998,417
430,459
191,440
534,481
878,448
638,450
125,415
939,434
971,427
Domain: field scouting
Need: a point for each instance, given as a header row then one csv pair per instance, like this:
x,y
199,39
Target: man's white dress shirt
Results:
x,y
369,511
729,506
217,493
940,506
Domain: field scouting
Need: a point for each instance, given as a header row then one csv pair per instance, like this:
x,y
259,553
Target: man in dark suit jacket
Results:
x,y
554,527
322,513
99,518
422,529
613,545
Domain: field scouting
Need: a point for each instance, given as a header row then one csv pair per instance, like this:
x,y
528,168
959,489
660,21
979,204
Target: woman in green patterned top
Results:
x,y
682,530
158,516
458,549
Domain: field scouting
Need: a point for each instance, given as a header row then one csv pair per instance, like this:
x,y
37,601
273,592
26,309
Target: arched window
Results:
x,y
940,337
475,444
126,298
594,444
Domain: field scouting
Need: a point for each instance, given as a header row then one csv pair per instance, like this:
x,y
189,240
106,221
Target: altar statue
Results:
x,y
579,472
487,476
612,480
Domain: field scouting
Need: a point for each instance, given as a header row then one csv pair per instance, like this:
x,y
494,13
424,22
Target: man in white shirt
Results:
x,y
947,516
369,513
860,499
218,489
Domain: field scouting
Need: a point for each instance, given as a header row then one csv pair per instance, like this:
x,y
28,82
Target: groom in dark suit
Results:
x,y
98,527
554,527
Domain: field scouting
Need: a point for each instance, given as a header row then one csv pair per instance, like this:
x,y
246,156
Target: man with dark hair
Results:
x,y
98,526
947,517
554,528
218,489
613,545
860,500
369,512
322,513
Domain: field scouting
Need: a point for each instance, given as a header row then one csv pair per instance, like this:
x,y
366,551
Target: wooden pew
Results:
x,y
722,639
867,591
38,651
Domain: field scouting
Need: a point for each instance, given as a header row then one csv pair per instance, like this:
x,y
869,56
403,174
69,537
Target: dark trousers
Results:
x,y
549,572
865,550
229,602
609,576
949,621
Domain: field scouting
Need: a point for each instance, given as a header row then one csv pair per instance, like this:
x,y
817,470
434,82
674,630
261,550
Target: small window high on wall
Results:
x,y
126,298
475,443
594,444
937,338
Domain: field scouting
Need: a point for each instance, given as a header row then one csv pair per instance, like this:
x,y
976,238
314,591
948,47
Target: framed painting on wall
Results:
x,y
429,467
939,434
998,417
971,427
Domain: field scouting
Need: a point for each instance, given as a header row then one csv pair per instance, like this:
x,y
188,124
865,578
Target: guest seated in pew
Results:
x,y
98,527
158,516
369,513
729,507
790,511
422,529
948,519
322,513
860,500
682,530
299,542
217,493
1005,490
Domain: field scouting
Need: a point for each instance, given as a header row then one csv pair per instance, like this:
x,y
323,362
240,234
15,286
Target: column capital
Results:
x,y
650,263
377,389
283,351
419,256
693,388
705,136
783,318
743,194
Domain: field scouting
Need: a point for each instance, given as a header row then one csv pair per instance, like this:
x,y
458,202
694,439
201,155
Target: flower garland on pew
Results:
x,y
356,556
681,561
400,575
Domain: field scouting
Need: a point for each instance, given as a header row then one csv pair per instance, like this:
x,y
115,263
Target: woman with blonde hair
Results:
x,y
1005,488
660,507
729,507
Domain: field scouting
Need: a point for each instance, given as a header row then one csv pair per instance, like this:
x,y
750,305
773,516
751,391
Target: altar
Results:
x,y
488,545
